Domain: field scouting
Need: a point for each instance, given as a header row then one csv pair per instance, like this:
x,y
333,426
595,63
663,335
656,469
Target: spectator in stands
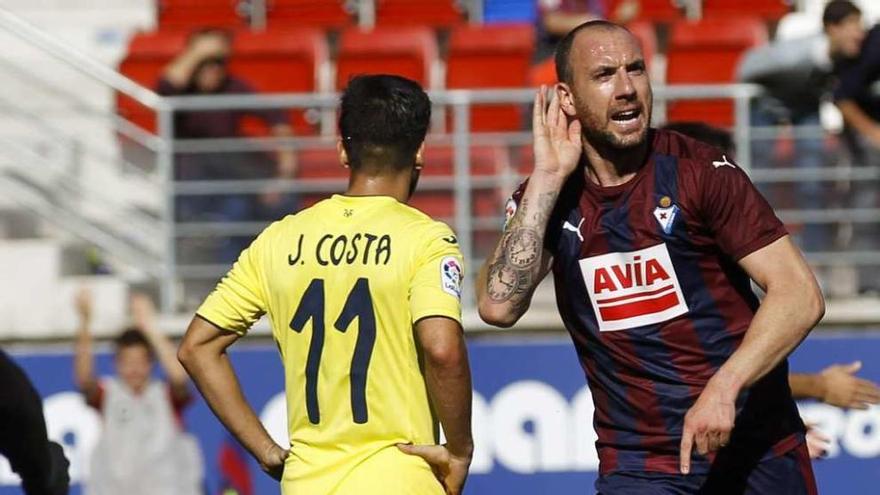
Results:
x,y
857,95
202,69
798,74
142,448
557,17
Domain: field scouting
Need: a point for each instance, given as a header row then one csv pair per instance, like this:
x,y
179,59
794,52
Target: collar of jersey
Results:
x,y
357,199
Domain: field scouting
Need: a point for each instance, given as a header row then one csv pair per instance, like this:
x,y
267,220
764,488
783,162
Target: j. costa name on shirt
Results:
x,y
360,248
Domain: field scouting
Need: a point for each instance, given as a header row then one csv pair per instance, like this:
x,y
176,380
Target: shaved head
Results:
x,y
603,82
563,49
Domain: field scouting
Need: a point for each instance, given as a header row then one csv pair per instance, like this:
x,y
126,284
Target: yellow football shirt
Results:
x,y
343,282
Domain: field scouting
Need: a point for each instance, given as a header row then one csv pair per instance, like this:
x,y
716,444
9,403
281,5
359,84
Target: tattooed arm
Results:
x,y
509,277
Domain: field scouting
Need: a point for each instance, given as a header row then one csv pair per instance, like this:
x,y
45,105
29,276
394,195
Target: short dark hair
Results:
x,y
383,120
131,337
563,48
837,11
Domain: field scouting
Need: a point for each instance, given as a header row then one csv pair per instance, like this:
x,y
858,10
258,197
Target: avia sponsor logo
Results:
x,y
634,289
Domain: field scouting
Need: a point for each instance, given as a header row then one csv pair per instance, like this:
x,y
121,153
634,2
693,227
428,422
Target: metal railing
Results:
x,y
461,183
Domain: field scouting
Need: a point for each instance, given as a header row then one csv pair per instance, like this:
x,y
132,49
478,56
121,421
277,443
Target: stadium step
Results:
x,y
37,299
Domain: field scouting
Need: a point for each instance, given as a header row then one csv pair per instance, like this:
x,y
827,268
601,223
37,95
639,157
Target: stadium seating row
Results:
x,y
186,14
491,56
495,56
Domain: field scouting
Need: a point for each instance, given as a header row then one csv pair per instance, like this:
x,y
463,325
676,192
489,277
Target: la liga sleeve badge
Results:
x,y
451,276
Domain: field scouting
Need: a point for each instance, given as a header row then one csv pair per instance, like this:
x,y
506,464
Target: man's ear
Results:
x,y
566,98
420,156
343,155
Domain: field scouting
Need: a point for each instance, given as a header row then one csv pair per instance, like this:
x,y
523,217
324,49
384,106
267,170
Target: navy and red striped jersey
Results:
x,y
648,285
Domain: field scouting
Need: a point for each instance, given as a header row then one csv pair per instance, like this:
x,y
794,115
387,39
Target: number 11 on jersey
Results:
x,y
358,304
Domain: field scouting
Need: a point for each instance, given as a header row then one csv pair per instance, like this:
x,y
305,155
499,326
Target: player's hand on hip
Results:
x,y
818,443
557,142
272,461
707,425
451,470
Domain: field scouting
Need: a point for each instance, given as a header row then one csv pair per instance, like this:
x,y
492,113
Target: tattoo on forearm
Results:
x,y
522,247
516,262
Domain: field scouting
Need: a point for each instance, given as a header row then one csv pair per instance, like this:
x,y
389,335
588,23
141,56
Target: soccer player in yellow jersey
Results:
x,y
363,295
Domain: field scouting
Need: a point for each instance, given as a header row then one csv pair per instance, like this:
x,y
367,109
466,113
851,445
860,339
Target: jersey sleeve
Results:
x,y
239,300
435,289
736,213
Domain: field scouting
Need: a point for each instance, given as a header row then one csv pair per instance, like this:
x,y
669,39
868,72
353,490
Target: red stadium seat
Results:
x,y
320,163
644,32
317,13
189,14
545,72
148,53
708,52
280,62
439,162
270,61
651,10
485,160
435,13
494,56
323,164
406,51
766,9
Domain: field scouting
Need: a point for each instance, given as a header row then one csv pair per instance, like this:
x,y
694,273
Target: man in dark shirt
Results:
x,y
798,74
653,238
857,95
201,69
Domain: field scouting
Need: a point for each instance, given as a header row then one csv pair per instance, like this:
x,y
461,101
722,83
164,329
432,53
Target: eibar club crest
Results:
x,y
665,214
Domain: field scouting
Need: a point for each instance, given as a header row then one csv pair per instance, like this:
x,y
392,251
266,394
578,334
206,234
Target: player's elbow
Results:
x,y
806,296
446,354
186,354
498,315
815,303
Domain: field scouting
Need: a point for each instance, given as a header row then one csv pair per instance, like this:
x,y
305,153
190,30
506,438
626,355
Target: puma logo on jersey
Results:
x,y
723,163
634,289
577,230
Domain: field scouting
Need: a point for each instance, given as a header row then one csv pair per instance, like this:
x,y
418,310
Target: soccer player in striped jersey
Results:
x,y
653,238
363,293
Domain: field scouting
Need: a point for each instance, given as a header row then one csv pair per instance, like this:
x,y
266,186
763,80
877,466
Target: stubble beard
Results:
x,y
606,139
